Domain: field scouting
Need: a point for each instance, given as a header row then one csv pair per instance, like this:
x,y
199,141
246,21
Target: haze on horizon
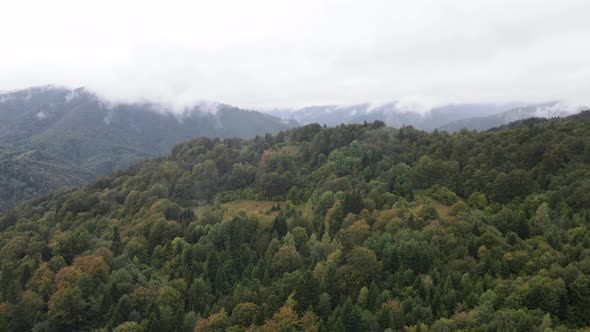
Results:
x,y
264,54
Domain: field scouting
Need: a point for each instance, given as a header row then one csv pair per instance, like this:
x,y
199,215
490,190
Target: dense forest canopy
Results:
x,y
353,228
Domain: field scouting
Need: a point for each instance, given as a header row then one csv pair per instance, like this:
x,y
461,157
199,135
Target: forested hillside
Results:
x,y
69,137
26,172
353,228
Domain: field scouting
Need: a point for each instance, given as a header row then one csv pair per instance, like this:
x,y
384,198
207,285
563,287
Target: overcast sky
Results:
x,y
264,54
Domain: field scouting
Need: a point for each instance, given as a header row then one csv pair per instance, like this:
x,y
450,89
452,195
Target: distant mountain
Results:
x,y
450,118
546,110
54,137
393,114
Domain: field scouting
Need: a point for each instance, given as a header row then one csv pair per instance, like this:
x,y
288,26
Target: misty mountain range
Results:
x,y
447,118
53,137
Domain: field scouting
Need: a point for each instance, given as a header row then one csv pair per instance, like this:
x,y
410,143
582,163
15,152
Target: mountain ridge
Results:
x,y
87,135
81,132
450,117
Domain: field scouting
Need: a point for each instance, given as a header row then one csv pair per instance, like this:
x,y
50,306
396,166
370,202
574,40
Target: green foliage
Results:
x,y
443,195
499,239
477,200
57,138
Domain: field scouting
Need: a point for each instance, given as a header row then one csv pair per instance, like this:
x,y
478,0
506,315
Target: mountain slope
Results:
x,y
27,172
354,228
85,136
448,118
547,110
393,114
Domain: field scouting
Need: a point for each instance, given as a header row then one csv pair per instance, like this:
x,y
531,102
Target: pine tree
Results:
x,y
306,292
353,202
280,225
350,316
117,245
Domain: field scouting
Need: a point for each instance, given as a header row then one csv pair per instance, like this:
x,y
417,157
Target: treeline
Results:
x,y
371,229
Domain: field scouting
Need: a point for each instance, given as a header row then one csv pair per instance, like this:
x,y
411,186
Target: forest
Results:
x,y
357,227
53,137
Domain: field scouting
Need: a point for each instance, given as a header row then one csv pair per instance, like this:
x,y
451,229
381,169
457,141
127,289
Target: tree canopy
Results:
x,y
354,228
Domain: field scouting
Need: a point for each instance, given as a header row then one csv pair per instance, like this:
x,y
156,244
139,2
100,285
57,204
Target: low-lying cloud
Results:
x,y
267,54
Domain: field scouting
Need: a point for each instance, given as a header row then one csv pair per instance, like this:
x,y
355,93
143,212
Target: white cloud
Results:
x,y
263,53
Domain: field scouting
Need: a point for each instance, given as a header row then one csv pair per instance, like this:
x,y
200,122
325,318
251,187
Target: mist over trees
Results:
x,y
53,138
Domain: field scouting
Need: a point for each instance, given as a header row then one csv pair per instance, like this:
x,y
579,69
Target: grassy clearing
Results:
x,y
260,209
251,207
442,210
